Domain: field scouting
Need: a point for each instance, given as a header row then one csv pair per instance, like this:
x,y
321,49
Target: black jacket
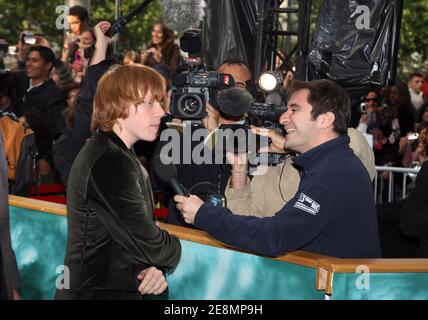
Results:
x,y
72,139
414,219
111,231
332,213
42,106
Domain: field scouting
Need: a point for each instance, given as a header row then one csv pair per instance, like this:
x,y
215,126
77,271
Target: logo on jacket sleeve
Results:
x,y
307,204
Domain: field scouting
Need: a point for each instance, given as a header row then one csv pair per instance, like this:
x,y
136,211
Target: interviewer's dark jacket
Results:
x,y
111,231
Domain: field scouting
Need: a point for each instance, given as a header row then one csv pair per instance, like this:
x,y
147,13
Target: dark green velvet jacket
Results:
x,y
112,235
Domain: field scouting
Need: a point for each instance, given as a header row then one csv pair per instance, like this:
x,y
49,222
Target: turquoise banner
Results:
x,y
207,272
39,241
204,272
380,286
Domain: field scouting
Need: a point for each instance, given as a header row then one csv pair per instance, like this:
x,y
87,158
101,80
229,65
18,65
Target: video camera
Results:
x,y
265,115
196,86
266,112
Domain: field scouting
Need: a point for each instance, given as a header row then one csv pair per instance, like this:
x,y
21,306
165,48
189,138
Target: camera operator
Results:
x,y
195,102
238,70
333,211
233,104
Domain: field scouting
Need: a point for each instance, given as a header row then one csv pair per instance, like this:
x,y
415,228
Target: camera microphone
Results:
x,y
167,172
234,102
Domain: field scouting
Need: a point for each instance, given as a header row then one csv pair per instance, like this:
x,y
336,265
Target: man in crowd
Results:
x,y
416,85
333,211
238,70
38,101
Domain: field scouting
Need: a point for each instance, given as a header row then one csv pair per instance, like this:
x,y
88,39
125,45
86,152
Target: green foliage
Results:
x,y
40,17
413,51
138,31
35,15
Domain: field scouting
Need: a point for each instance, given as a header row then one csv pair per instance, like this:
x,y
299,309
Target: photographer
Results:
x,y
333,211
26,41
371,118
413,147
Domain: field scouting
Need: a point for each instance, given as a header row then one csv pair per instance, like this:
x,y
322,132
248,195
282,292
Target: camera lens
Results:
x,y
191,105
188,105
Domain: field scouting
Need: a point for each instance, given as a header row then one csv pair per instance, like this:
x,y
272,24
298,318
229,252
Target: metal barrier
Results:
x,y
378,194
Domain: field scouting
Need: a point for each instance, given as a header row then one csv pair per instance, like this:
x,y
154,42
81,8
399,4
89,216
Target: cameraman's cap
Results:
x,y
234,102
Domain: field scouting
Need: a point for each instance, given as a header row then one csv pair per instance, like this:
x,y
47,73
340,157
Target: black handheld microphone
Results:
x,y
121,22
167,172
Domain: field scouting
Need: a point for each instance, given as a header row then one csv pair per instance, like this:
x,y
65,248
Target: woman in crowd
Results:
x,y
80,63
413,147
162,49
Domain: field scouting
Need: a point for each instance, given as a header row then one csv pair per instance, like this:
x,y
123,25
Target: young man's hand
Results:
x,y
152,281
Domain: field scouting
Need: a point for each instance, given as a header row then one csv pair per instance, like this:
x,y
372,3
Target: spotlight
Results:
x,y
269,81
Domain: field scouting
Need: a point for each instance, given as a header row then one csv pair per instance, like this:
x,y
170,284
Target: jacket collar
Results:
x,y
40,87
311,157
114,138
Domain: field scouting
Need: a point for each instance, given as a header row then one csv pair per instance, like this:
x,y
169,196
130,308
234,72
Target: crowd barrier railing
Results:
x,y
387,175
209,269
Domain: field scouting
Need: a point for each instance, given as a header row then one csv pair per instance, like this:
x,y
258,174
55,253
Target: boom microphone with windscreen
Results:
x,y
167,172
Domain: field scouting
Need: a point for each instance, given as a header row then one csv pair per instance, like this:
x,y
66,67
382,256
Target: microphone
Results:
x,y
167,172
121,22
234,102
181,15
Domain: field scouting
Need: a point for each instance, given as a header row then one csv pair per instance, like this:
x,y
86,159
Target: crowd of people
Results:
x,y
96,124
